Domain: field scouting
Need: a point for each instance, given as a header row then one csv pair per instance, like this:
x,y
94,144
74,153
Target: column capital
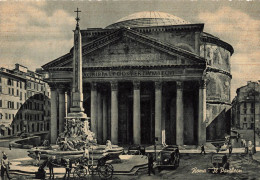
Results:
x,y
179,84
114,85
158,84
136,85
93,86
202,84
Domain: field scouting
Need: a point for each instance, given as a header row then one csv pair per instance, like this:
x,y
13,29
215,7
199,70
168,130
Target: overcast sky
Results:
x,y
34,33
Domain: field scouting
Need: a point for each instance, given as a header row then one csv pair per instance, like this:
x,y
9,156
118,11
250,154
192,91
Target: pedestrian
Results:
x,y
10,146
37,156
5,166
230,148
68,168
250,148
50,166
202,149
150,164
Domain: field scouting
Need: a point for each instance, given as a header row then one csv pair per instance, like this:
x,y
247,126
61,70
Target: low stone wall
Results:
x,y
26,143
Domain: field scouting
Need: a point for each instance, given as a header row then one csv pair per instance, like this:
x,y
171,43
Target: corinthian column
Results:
x,y
136,115
202,113
114,112
104,118
158,111
94,108
179,113
53,123
100,117
62,110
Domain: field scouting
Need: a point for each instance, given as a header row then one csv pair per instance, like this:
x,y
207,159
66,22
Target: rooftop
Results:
x,y
148,19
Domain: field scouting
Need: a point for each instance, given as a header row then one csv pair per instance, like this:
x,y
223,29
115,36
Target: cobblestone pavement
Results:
x,y
193,166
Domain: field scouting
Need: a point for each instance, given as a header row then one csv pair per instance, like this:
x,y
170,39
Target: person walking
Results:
x,y
68,168
150,164
10,146
202,149
230,148
5,166
50,166
37,156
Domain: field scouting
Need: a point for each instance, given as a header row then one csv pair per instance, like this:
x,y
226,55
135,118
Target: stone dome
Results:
x,y
148,19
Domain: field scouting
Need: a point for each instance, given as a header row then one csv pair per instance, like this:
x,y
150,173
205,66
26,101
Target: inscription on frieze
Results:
x,y
131,73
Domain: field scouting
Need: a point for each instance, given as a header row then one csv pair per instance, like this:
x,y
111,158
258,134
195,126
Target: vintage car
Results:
x,y
169,156
219,162
136,150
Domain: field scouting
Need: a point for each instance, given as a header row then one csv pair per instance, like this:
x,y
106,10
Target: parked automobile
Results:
x,y
25,135
136,150
169,156
219,162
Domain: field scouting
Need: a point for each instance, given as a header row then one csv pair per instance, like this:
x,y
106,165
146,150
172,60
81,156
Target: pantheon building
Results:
x,y
150,76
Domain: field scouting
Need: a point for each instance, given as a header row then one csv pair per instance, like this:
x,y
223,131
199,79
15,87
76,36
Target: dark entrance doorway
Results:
x,y
146,123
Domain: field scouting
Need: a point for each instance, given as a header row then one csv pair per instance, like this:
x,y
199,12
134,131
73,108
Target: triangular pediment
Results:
x,y
127,47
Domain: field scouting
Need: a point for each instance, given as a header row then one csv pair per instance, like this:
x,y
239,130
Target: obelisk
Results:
x,y
77,110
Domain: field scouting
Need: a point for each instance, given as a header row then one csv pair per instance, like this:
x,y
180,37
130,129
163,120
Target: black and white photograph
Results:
x,y
127,89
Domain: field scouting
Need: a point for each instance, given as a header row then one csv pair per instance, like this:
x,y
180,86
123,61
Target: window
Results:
x,y
245,126
21,85
252,119
252,110
12,91
25,96
245,119
17,83
252,126
9,82
0,89
9,116
244,105
21,96
9,91
252,105
6,116
17,92
17,105
1,115
0,79
1,104
244,111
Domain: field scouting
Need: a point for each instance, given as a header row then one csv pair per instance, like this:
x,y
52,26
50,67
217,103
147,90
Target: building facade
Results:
x,y
246,107
148,76
24,102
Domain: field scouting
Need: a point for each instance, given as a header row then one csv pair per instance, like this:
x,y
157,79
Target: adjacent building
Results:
x,y
24,102
246,107
149,76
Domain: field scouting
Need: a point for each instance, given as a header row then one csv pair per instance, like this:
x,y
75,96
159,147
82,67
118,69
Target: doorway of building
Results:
x,y
146,120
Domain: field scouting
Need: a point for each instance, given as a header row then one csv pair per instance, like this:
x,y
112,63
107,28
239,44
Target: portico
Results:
x,y
126,110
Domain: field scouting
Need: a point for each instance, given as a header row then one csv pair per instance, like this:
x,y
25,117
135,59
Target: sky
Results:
x,y
33,33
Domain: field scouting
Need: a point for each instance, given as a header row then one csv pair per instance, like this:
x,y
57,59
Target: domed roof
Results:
x,y
148,19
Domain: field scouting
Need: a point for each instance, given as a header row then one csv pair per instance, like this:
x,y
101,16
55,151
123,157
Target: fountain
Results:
x,y
76,133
